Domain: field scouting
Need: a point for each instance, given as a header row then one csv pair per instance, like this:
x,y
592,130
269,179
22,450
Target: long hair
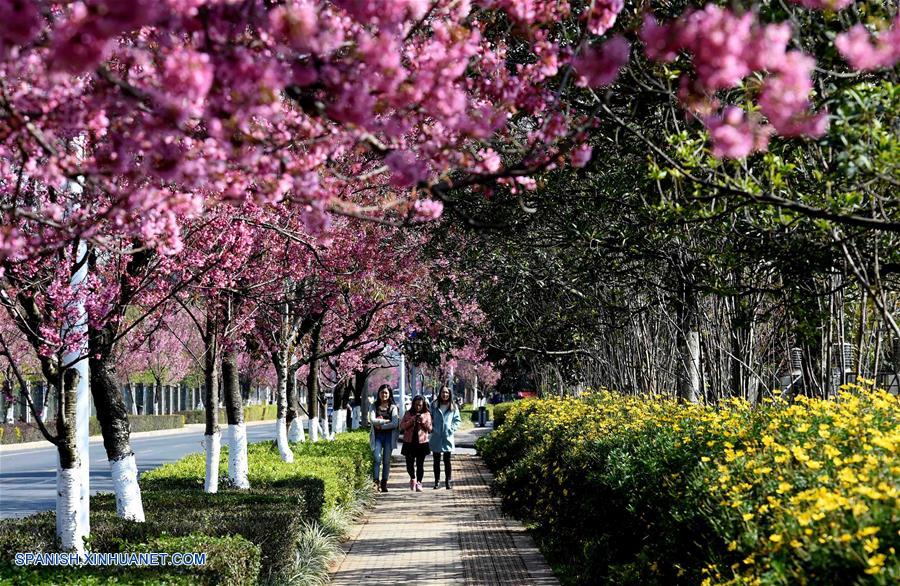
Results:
x,y
450,401
412,406
378,395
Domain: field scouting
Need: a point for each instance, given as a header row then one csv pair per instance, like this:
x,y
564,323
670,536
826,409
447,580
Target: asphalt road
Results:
x,y
28,477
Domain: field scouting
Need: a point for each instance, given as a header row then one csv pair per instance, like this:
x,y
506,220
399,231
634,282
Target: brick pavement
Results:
x,y
440,537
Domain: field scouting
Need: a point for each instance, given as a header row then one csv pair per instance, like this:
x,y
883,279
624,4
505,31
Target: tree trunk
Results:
x,y
280,361
359,410
113,418
234,412
70,501
312,384
294,425
689,389
212,436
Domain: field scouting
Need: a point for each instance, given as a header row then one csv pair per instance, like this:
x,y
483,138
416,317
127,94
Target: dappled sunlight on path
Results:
x,y
441,537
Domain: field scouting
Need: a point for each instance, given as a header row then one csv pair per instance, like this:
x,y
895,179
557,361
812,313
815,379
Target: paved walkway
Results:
x,y
441,536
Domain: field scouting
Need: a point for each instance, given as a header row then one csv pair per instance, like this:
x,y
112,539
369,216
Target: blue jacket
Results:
x,y
444,425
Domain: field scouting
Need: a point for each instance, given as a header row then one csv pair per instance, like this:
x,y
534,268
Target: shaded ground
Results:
x,y
442,536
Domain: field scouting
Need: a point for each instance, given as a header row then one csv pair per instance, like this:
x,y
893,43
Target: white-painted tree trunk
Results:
x,y
354,421
75,527
238,468
296,433
326,430
336,420
213,445
692,365
402,376
68,506
128,492
314,429
281,440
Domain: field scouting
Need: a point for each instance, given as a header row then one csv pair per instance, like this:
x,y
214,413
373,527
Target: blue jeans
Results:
x,y
382,449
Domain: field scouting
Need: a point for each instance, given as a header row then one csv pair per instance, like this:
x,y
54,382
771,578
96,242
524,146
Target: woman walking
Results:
x,y
445,421
416,425
384,418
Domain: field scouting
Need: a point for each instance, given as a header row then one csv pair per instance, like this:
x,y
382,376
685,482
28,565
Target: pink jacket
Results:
x,y
408,423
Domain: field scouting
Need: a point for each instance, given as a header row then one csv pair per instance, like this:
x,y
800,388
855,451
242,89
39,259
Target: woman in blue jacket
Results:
x,y
445,421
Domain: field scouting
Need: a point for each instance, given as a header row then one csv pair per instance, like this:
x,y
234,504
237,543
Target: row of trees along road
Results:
x,y
254,165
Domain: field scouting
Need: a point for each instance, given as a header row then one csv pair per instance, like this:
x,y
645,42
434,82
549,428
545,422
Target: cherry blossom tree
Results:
x,y
128,129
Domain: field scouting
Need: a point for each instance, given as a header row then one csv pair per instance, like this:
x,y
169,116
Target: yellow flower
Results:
x,y
866,531
775,538
876,563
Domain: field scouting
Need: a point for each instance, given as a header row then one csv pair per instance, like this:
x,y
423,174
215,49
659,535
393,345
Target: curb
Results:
x,y
97,439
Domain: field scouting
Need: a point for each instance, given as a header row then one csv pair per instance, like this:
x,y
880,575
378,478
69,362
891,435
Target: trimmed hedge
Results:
x,y
251,536
501,410
18,433
632,490
251,413
472,412
230,560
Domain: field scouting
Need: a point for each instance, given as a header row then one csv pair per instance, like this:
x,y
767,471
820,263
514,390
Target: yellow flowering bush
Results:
x,y
647,490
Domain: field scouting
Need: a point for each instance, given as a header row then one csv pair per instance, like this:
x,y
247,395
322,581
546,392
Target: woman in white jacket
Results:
x,y
385,420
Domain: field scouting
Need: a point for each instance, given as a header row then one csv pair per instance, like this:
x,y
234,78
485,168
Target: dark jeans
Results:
x,y
482,416
419,460
437,465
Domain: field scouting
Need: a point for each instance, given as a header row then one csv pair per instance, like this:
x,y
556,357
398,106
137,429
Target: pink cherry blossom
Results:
x,y
190,75
21,22
599,66
824,4
661,42
734,135
862,52
602,15
784,98
406,171
581,155
426,210
725,48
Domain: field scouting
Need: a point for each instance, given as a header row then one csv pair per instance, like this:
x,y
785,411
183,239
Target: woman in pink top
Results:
x,y
416,426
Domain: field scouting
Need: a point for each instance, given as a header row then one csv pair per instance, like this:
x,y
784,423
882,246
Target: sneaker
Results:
x,y
449,484
418,487
437,485
377,486
384,486
412,484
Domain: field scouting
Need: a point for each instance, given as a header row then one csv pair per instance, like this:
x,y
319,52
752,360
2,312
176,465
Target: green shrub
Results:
x,y
140,423
498,413
230,560
251,413
61,576
327,481
17,433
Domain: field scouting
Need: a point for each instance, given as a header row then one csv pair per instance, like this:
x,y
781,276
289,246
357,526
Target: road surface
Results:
x,y
28,477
